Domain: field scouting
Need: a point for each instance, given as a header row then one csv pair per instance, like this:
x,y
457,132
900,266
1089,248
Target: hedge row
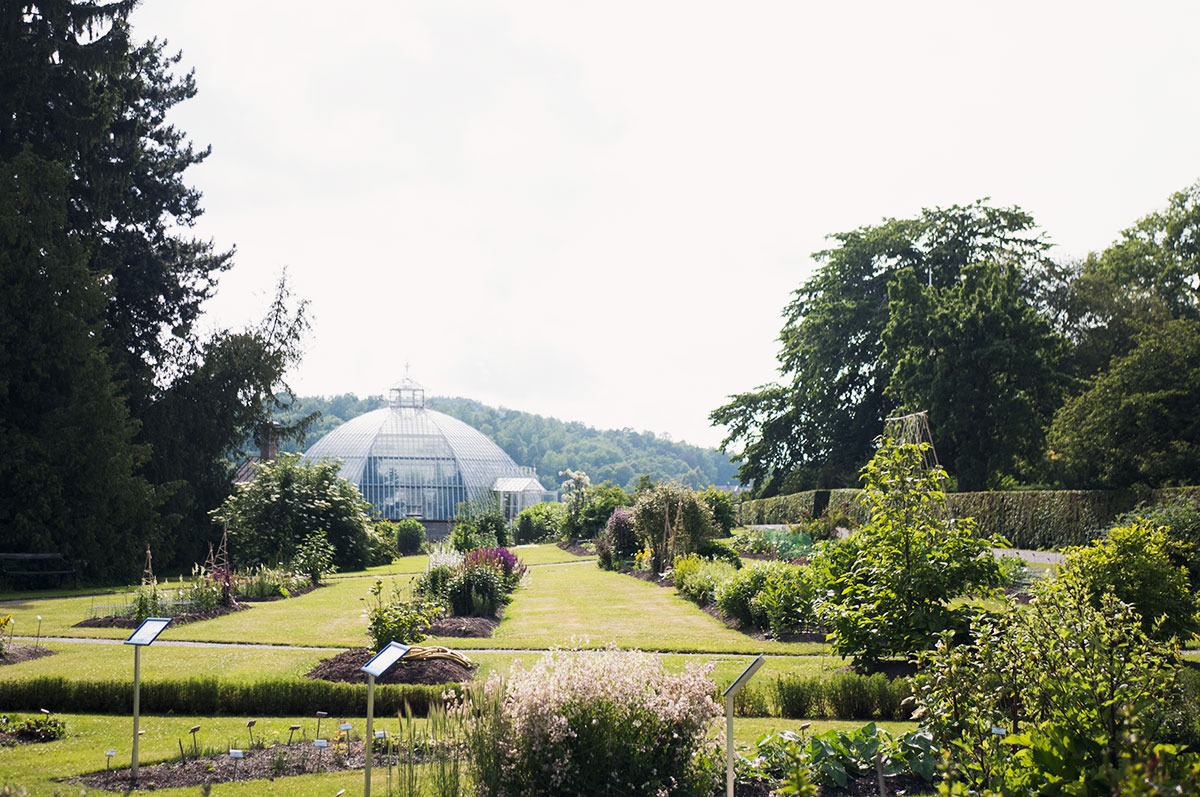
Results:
x,y
847,696
1037,519
212,697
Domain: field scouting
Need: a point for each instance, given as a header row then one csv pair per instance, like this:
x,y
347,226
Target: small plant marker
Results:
x,y
236,755
39,632
291,732
320,714
320,744
195,729
729,694
378,665
250,727
45,711
108,758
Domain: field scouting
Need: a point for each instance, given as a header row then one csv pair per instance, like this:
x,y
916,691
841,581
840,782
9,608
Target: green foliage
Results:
x,y
786,601
599,503
33,729
270,516
211,697
1179,516
314,557
434,583
1136,422
697,578
723,508
719,551
980,358
1041,519
479,523
736,596
835,758
398,619
69,471
1059,697
815,428
476,590
540,523
892,582
670,520
381,545
788,543
1135,563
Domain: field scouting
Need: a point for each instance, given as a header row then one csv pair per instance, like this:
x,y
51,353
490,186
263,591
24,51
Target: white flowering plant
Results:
x,y
578,718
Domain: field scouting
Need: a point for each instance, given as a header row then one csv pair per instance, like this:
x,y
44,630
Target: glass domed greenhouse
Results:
x,y
412,462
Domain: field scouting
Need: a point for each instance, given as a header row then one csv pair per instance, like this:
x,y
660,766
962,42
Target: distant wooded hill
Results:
x,y
548,444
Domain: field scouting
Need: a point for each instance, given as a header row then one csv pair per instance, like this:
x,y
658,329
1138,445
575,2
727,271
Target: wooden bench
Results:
x,y
16,568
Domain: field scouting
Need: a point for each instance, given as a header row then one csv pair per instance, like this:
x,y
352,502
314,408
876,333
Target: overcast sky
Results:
x,y
598,211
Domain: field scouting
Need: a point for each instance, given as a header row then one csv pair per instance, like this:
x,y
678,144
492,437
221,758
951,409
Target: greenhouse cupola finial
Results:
x,y
407,393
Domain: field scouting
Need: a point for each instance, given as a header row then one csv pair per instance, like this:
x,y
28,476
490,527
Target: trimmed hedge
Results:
x,y
212,697
1036,519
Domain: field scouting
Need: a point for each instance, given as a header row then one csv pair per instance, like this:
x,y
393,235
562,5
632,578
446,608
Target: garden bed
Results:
x,y
300,758
295,593
347,668
112,621
470,627
17,652
574,548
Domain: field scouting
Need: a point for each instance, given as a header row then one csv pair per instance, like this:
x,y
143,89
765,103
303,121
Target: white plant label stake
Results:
x,y
729,694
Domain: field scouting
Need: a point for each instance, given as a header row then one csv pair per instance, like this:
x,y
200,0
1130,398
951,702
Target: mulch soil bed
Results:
x,y
892,668
575,548
347,668
131,622
300,758
869,787
473,627
17,652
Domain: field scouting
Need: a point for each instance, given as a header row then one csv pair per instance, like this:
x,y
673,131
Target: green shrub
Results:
x,y
723,508
1135,564
479,523
314,557
785,602
539,523
476,591
398,619
434,583
841,696
1180,518
381,546
1059,692
736,596
271,516
797,697
410,536
620,529
701,578
719,551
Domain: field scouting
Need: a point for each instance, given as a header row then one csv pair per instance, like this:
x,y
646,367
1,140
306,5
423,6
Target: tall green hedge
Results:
x,y
1037,519
213,697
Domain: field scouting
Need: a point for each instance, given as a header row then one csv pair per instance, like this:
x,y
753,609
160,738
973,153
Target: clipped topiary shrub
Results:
x,y
410,536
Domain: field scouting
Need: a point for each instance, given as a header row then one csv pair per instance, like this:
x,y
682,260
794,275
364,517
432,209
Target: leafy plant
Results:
x,y
314,557
1135,563
476,590
891,584
381,546
33,729
540,523
670,520
398,619
697,578
1060,696
723,508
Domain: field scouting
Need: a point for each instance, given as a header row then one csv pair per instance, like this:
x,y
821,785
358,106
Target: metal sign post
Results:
x,y
142,636
378,665
729,694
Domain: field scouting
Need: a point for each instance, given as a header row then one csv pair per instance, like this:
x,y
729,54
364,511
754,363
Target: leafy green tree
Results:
x,y
1160,254
890,587
270,517
815,428
599,501
723,508
314,557
1136,423
980,359
479,523
68,470
77,92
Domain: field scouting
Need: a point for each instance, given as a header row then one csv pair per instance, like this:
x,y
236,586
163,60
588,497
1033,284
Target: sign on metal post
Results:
x,y
380,663
142,636
729,694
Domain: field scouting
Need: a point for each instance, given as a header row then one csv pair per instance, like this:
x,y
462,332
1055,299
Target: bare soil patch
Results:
x,y
17,652
573,547
869,787
300,758
347,668
646,575
130,622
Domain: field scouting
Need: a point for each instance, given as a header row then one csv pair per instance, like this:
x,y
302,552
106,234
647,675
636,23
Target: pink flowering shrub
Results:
x,y
594,722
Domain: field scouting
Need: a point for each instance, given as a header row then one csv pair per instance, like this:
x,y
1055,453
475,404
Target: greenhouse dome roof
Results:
x,y
410,461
